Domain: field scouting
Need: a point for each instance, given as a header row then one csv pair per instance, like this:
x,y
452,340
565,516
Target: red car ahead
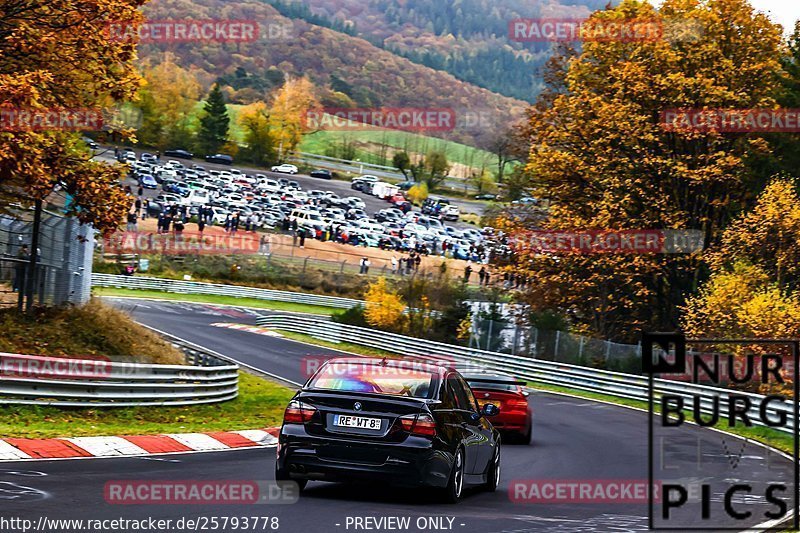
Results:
x,y
515,418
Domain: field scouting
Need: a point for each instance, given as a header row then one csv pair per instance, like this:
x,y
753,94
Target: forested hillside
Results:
x,y
348,71
467,38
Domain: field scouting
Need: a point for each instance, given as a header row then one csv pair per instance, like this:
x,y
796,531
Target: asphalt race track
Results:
x,y
573,440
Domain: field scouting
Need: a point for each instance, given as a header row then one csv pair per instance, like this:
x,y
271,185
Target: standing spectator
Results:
x,y
235,223
417,262
394,265
488,278
227,222
158,156
140,192
467,272
116,153
23,257
179,227
364,265
145,208
132,220
201,225
294,238
482,275
302,232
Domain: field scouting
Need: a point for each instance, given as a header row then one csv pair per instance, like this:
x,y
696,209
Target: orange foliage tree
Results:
x,y
58,55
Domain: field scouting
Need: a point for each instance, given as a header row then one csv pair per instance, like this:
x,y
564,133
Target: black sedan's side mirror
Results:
x,y
490,409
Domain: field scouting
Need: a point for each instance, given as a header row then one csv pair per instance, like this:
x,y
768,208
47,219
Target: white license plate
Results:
x,y
358,422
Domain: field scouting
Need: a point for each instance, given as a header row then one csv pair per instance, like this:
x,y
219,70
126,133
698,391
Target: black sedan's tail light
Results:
x,y
422,424
298,412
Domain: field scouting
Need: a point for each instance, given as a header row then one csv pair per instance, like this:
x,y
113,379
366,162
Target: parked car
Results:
x,y
90,143
285,169
321,173
515,418
486,196
354,419
146,181
222,159
179,153
450,212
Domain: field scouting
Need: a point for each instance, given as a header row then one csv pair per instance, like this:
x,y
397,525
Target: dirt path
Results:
x,y
282,245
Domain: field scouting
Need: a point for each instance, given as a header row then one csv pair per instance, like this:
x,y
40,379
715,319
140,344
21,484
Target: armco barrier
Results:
x,y
218,289
575,377
35,380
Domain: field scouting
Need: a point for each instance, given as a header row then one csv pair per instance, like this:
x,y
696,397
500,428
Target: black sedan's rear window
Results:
x,y
376,379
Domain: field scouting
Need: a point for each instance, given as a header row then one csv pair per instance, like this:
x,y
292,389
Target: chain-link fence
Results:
x,y
63,270
508,335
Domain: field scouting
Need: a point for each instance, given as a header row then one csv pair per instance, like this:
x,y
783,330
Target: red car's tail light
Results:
x,y
298,412
422,424
521,405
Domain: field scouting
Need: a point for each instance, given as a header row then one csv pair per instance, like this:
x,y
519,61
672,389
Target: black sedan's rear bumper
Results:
x,y
415,463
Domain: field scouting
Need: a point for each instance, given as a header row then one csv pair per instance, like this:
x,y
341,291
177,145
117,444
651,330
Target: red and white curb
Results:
x,y
250,329
130,446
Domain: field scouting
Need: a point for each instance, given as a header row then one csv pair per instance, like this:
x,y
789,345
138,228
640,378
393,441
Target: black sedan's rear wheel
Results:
x,y
455,485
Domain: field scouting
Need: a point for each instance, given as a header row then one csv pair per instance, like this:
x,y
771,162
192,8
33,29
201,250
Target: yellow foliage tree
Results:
x,y
384,308
418,193
753,289
258,135
167,102
289,110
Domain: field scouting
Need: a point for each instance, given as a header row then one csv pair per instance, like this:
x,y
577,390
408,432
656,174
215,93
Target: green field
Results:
x,y
377,147
217,300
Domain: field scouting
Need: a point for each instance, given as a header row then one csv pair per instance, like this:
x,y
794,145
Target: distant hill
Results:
x,y
467,38
335,61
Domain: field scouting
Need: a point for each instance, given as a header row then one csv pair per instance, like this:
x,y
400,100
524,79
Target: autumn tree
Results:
x,y
167,102
753,290
384,308
57,55
402,162
288,113
214,123
436,168
601,156
258,135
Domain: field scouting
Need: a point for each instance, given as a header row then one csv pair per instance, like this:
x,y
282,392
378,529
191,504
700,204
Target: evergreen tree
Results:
x,y
215,123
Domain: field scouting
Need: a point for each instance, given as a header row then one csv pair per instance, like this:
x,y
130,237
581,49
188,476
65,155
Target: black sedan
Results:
x,y
222,159
321,173
179,153
401,422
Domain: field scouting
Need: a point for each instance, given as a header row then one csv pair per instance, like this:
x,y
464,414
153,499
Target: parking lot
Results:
x,y
312,208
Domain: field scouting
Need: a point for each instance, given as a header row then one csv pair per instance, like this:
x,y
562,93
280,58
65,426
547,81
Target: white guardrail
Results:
x,y
59,382
548,372
217,289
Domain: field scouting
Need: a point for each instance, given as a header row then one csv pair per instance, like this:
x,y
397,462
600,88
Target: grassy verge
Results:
x,y
768,436
218,300
343,346
92,330
260,404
